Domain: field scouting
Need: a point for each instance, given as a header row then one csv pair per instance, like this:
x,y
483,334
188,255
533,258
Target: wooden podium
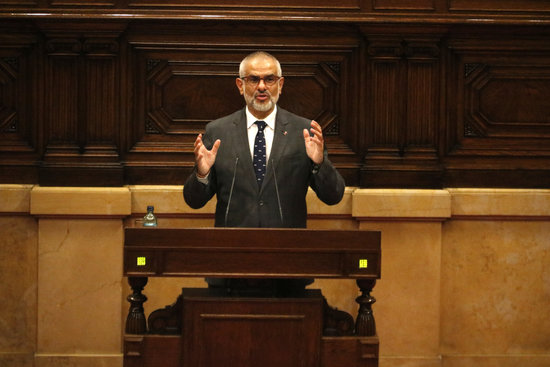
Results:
x,y
208,327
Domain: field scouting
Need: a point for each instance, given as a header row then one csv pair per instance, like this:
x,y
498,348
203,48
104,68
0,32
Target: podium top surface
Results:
x,y
251,252
292,238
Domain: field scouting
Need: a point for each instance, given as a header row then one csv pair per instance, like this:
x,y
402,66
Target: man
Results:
x,y
272,193
295,158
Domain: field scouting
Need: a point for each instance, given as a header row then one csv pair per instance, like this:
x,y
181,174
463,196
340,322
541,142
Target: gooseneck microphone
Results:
x,y
231,190
277,192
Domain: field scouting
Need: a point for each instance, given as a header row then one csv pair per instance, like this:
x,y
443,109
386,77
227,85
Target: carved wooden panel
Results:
x,y
19,2
285,4
526,87
82,3
386,66
181,87
9,73
404,4
251,331
499,5
177,92
81,129
362,11
61,134
402,134
19,111
502,113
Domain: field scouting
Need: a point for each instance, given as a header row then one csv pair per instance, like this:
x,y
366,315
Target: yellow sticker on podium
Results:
x,y
141,260
363,263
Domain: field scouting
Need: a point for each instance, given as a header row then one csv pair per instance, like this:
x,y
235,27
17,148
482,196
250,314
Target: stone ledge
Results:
x,y
317,207
15,198
166,199
80,201
361,204
82,360
388,204
500,202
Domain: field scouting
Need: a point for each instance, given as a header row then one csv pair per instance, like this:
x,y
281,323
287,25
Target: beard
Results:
x,y
261,106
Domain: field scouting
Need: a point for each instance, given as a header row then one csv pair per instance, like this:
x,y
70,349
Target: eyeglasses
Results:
x,y
254,80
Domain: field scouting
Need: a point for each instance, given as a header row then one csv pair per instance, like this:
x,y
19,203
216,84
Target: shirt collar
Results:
x,y
269,120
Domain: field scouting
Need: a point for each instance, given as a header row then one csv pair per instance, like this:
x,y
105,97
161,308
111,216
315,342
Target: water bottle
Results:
x,y
149,220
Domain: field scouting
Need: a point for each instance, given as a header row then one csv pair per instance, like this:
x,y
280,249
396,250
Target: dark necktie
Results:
x,y
259,159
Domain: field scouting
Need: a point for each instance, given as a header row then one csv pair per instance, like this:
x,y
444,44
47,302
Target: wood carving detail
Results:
x,y
498,127
16,101
409,118
336,322
177,92
404,5
498,5
8,86
64,46
166,320
278,4
525,87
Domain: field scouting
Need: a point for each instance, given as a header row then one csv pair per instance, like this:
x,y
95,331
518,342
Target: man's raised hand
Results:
x,y
205,158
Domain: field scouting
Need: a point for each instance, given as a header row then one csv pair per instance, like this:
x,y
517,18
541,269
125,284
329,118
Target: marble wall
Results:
x,y
18,277
465,275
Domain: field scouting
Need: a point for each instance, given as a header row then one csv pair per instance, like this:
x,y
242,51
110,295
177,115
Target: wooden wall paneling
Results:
x,y
280,5
61,108
385,108
404,76
186,77
404,4
500,132
101,102
354,6
361,11
19,107
106,102
422,112
406,8
80,3
326,88
345,144
160,133
499,5
176,92
81,112
19,2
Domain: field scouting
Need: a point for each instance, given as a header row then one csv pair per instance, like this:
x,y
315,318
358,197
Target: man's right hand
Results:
x,y
205,158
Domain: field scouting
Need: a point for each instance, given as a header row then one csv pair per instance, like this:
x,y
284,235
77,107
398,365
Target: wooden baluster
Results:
x,y
135,322
365,325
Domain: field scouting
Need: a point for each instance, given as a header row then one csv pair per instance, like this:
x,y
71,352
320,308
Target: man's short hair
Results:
x,y
259,54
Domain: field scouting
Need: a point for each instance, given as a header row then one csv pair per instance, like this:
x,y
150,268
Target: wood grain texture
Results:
x,y
103,102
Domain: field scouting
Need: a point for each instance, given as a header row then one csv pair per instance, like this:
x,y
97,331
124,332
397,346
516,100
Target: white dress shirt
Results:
x,y
252,128
269,131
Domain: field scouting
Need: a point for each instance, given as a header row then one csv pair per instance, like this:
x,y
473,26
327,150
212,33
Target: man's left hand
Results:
x,y
314,144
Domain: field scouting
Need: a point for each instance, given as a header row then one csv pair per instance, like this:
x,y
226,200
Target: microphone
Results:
x,y
277,192
231,190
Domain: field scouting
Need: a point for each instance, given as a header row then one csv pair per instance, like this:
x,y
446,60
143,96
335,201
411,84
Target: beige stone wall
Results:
x,y
465,275
18,277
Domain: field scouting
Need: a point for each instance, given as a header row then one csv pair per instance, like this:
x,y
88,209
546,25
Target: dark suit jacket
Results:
x,y
277,203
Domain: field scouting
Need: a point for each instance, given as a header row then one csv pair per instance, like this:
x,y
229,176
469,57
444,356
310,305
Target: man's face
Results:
x,y
260,95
